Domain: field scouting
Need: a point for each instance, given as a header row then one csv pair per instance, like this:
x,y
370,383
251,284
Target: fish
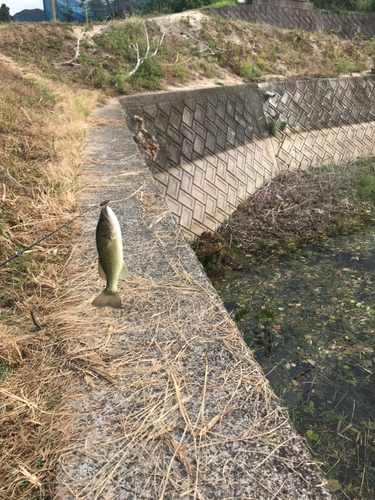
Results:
x,y
111,262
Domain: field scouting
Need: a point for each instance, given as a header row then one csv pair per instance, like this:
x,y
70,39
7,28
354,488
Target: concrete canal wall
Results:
x,y
297,16
215,146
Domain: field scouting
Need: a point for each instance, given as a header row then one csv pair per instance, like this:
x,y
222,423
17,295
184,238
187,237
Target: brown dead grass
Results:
x,y
273,51
41,138
166,422
299,207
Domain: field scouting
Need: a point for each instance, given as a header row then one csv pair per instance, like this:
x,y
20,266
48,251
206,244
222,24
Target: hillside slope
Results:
x,y
196,49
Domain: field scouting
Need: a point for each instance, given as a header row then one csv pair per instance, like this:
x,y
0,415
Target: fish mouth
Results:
x,y
105,214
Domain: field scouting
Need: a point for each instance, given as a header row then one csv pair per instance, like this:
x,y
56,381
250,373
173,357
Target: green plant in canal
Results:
x,y
214,253
264,330
240,313
366,186
272,127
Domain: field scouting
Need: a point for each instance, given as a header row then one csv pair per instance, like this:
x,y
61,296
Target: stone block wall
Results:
x,y
214,148
347,25
321,102
292,4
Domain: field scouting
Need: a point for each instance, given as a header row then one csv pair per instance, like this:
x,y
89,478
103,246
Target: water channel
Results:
x,y
310,321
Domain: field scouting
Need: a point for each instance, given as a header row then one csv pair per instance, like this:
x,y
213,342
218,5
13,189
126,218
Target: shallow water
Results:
x,y
310,321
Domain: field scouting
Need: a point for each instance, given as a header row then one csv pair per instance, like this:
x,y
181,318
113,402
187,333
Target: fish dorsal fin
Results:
x,y
101,272
123,272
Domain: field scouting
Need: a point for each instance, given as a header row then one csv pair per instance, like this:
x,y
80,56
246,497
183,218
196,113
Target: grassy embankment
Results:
x,y
42,126
237,51
43,117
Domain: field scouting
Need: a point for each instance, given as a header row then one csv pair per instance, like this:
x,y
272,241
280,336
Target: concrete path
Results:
x,y
171,403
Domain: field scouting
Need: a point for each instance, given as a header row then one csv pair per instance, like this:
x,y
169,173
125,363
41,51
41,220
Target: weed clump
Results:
x,y
213,252
299,207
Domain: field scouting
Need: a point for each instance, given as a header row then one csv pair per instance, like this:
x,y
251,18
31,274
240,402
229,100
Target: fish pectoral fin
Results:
x,y
124,271
101,271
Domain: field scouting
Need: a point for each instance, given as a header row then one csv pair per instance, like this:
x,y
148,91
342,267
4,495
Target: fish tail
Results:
x,y
107,299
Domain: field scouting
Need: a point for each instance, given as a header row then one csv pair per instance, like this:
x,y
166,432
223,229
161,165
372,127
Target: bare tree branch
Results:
x,y
72,62
158,45
135,47
148,43
140,60
204,44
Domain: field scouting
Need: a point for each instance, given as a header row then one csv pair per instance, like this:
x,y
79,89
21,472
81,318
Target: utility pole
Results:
x,y
52,10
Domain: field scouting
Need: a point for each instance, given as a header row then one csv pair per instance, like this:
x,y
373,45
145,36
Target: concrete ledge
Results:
x,y
172,404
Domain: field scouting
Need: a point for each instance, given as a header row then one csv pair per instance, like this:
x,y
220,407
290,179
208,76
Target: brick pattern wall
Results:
x,y
321,103
330,119
202,193
215,150
194,124
319,147
212,150
347,25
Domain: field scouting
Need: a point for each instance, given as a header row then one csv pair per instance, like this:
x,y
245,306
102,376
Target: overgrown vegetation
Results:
x,y
5,16
344,6
170,6
234,50
295,209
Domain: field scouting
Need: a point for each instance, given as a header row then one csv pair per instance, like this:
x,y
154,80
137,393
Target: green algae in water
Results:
x,y
310,322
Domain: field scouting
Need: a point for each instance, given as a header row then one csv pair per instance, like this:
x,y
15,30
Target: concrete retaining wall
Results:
x,y
328,120
214,148
347,25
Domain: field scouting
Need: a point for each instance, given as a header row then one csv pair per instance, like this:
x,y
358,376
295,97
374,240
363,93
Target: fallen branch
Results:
x,y
204,44
140,60
72,62
9,179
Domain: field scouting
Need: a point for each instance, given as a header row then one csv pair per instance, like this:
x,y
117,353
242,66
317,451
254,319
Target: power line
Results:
x,y
20,252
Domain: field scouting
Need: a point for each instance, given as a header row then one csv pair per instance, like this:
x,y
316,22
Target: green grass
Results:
x,y
5,370
272,127
222,3
247,70
366,186
344,66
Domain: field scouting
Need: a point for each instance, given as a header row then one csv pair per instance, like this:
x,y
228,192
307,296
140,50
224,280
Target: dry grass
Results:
x,y
305,204
41,138
257,51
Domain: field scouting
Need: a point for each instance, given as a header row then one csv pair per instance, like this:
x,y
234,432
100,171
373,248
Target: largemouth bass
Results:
x,y
111,264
